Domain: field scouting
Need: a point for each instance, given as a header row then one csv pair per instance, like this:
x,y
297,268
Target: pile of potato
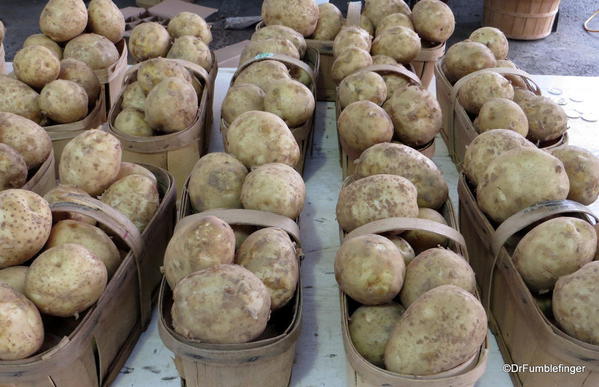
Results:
x,y
24,147
163,99
54,73
416,295
499,101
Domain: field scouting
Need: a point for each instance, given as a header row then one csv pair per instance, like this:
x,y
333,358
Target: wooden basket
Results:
x,y
265,362
458,129
2,59
176,152
521,19
44,178
524,334
424,64
302,133
362,373
347,157
112,77
92,350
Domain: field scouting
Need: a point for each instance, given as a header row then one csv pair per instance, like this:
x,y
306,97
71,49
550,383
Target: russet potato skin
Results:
x,y
370,328
14,276
188,23
362,86
206,243
270,254
26,222
365,24
582,168
36,66
132,123
424,240
494,39
300,15
23,331
376,197
376,10
363,124
351,36
575,303
153,71
481,88
272,45
466,57
169,96
13,169
407,252
64,101
370,269
63,20
282,32
262,73
94,50
546,119
515,80
149,40
433,20
276,188
80,73
216,181
501,113
134,169
394,20
134,97
329,23
290,100
241,98
442,329
349,61
193,50
18,98
223,304
400,43
43,40
106,19
91,161
553,249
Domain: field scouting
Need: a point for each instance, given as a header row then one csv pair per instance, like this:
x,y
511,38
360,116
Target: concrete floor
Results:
x,y
569,51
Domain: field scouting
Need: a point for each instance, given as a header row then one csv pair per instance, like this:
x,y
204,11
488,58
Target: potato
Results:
x,y
366,24
494,39
106,19
370,269
94,50
546,119
433,20
62,20
136,197
555,248
376,10
301,15
274,46
479,89
61,193
523,96
276,188
262,73
351,36
370,328
282,32
189,23
257,138
362,86
394,20
270,254
18,98
90,161
191,49
127,169
395,82
520,178
329,22
92,238
501,113
466,57
433,268
401,160
363,124
153,71
416,115
172,95
404,247
63,101
204,243
486,147
349,61
22,334
14,276
65,280
515,80
424,240
149,40
241,98
13,169
80,73
290,100
375,197
442,329
201,297
132,123
36,66
29,139
582,168
575,303
215,182
384,59
134,97
43,40
400,43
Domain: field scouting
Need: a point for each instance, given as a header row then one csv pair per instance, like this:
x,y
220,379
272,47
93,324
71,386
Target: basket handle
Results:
x,y
354,9
194,68
399,70
281,58
403,224
588,21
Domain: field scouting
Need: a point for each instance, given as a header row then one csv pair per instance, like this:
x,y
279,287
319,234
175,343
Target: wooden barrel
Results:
x,y
521,19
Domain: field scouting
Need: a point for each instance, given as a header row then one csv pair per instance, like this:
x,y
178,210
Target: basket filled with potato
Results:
x,y
536,244
78,276
417,266
479,89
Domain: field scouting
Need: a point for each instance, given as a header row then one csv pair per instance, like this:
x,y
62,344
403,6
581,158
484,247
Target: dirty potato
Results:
x,y
361,125
494,39
376,10
94,50
466,57
433,20
582,168
63,20
423,240
153,71
349,61
400,43
189,23
13,169
329,22
43,40
106,19
29,139
36,66
18,98
479,89
149,40
394,20
262,73
134,169
362,86
193,50
351,36
14,276
241,98
501,113
300,15
83,75
546,119
290,100
64,101
282,32
171,95
132,123
134,97
273,45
